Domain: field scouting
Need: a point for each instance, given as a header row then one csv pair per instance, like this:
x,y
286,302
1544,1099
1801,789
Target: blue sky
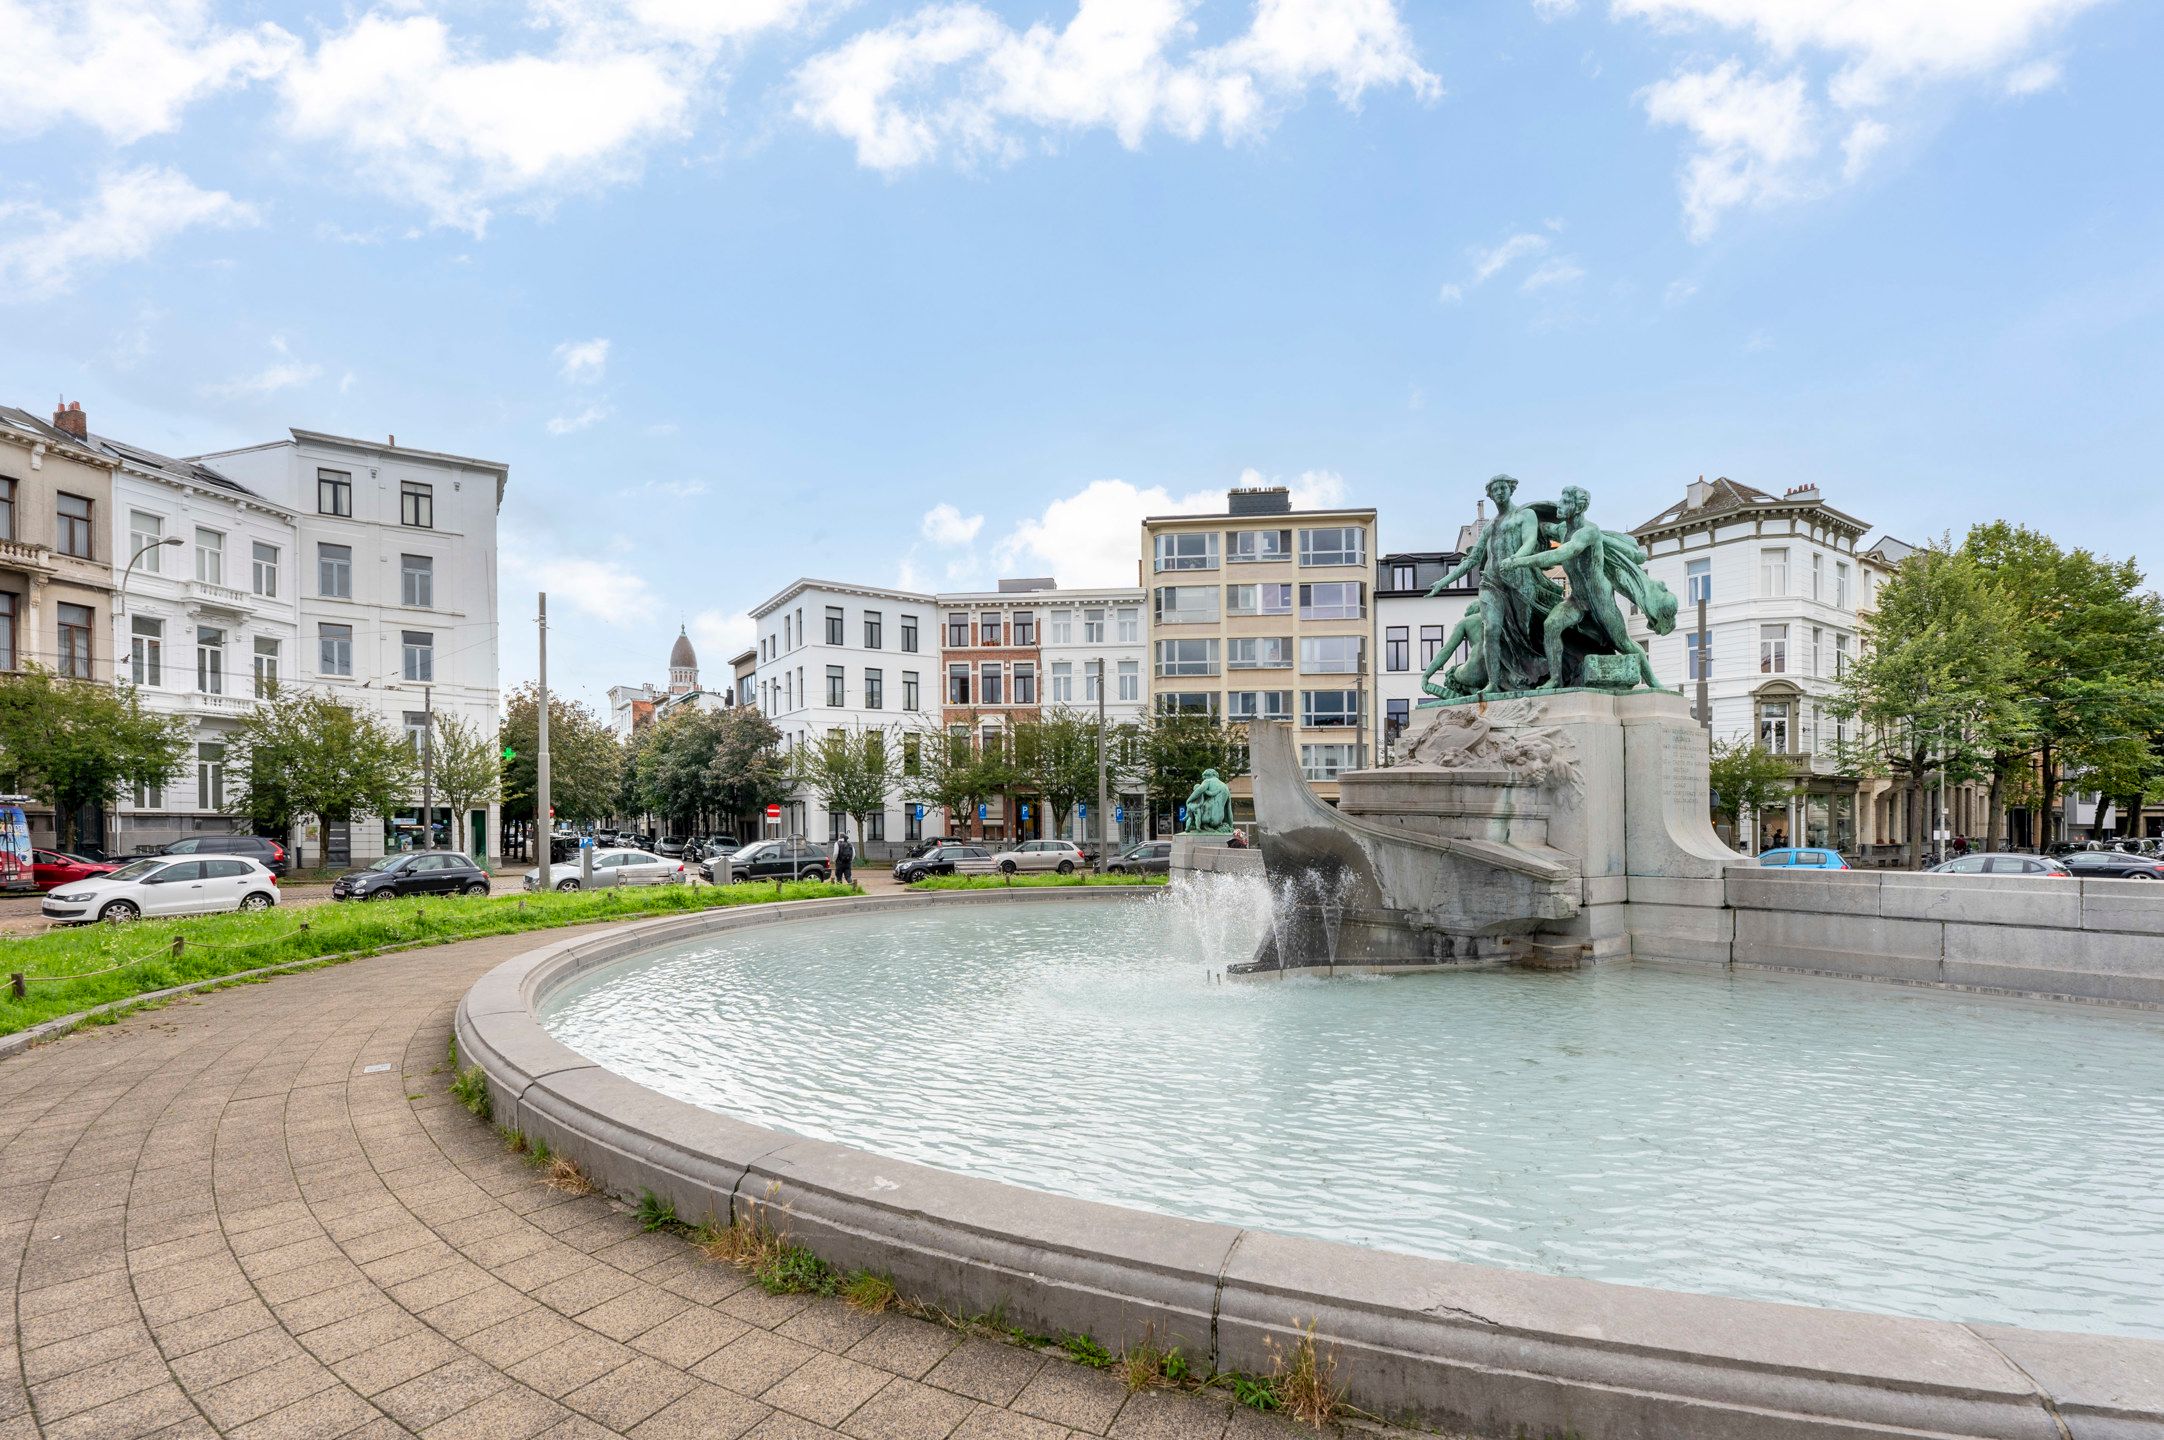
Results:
x,y
746,291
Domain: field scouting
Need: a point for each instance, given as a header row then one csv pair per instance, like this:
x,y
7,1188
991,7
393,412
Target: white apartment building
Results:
x,y
1783,579
1410,627
395,582
205,618
1084,630
832,656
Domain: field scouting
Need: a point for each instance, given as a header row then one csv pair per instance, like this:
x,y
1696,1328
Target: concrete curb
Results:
x,y
1491,1351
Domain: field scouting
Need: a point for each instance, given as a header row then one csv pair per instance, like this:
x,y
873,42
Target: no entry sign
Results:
x,y
773,812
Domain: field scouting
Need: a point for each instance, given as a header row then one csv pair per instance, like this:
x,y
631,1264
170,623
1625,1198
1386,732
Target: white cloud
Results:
x,y
945,525
1094,536
1864,139
582,361
279,375
1554,9
571,424
1755,135
126,68
1557,272
1679,291
719,638
584,583
131,214
1487,264
1450,294
2035,77
957,78
1491,261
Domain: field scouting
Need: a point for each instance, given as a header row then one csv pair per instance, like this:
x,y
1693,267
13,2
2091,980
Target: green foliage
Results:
x,y
870,1292
1256,1392
1055,759
1086,1350
71,743
1746,777
699,767
303,753
468,770
585,761
793,1270
956,772
1170,752
850,770
655,1213
471,1090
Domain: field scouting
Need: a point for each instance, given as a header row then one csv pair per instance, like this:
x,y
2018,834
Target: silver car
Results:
x,y
614,867
1033,856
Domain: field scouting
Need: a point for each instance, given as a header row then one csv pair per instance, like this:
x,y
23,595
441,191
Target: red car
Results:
x,y
50,868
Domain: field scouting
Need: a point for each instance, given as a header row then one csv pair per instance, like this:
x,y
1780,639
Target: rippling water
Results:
x,y
1783,1138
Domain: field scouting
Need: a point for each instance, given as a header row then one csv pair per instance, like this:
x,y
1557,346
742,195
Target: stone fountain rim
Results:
x,y
1481,1348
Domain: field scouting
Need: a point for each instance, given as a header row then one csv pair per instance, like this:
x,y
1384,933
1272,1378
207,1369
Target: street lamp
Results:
x,y
129,573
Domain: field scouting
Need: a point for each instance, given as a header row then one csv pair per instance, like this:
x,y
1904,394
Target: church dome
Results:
x,y
680,654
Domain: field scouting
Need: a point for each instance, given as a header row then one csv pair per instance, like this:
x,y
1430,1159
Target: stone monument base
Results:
x,y
1213,855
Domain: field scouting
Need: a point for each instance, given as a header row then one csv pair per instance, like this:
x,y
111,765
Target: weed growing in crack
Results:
x,y
564,1174
870,1292
1305,1382
655,1213
471,1088
1084,1349
1145,1364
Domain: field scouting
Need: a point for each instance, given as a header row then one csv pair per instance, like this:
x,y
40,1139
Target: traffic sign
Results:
x,y
1025,812
980,812
1081,812
773,812
1119,814
920,812
509,754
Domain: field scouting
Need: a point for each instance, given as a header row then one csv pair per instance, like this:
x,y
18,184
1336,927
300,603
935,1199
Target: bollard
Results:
x,y
17,986
304,927
180,943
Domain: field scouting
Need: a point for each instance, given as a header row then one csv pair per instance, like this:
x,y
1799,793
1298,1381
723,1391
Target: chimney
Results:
x,y
70,419
1698,494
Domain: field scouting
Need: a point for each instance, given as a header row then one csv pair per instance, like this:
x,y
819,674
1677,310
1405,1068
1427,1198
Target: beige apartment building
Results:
x,y
1263,613
56,563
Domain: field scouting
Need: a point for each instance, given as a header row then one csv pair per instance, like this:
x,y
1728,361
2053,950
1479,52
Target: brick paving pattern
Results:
x,y
219,1223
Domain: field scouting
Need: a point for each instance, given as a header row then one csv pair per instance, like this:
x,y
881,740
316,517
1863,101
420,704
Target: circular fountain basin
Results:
x,y
1772,1137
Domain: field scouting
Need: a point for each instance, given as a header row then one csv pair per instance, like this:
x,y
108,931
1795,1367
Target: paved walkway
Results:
x,y
260,1214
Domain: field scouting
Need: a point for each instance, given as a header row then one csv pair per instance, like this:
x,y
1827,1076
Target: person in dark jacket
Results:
x,y
844,859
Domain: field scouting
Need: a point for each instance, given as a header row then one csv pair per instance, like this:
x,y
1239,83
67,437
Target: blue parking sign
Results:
x,y
980,812
1119,814
1025,812
920,812
1081,812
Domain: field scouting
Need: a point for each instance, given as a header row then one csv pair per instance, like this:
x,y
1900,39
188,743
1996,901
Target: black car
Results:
x,y
2112,865
774,860
425,872
270,853
930,843
1149,857
948,858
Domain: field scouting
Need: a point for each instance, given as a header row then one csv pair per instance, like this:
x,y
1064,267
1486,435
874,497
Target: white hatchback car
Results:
x,y
613,867
162,885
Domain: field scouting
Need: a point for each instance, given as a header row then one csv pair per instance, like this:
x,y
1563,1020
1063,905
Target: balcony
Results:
x,y
233,705
18,555
206,596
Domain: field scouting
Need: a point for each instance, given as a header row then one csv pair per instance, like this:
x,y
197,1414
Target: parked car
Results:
x,y
613,867
268,853
1147,857
2114,865
929,844
1038,856
1804,857
671,848
2034,867
792,859
159,885
949,859
430,872
50,868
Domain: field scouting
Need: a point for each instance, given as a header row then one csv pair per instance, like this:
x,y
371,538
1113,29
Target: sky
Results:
x,y
929,294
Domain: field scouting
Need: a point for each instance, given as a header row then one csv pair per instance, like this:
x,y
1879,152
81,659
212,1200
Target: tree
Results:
x,y
1055,759
468,770
585,759
315,757
951,770
74,744
852,771
1927,690
697,767
1746,778
1170,751
2088,677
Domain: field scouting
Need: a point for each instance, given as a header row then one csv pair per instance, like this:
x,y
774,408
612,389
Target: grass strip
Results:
x,y
71,970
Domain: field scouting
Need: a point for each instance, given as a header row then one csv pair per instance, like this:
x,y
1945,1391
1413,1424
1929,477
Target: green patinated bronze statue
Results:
x,y
1526,632
1209,807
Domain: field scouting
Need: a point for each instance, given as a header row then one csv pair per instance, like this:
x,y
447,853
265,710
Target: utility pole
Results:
x,y
1705,663
543,820
1104,808
428,767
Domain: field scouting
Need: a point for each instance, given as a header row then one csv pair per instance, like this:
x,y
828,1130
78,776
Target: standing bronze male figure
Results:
x,y
1510,595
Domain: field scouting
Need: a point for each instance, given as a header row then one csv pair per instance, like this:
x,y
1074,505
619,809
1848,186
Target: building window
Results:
x,y
872,627
1397,648
145,530
1698,581
209,557
1176,605
1259,705
1187,550
1333,654
1772,649
834,685
1321,709
786,642
417,581
1404,577
957,632
912,824
1333,600
834,625
909,690
1025,628
1259,652
1093,680
1062,682
416,730
146,651
1698,656
1325,762
1185,702
7,629
1773,570
1061,626
1840,655
1186,657
1431,644
1773,726
334,572
989,688
334,649
957,684
1248,547
419,650
7,508
266,570
209,777
1130,623
416,505
1818,576
875,689
266,665
1130,677
1840,583
1334,545
912,755
334,493
992,743
1817,641
73,514
150,797
1397,714
1025,683
1093,621
1273,599
209,660
75,654
988,628
909,634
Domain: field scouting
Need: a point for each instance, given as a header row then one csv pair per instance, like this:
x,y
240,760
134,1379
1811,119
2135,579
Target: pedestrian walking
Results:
x,y
845,856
